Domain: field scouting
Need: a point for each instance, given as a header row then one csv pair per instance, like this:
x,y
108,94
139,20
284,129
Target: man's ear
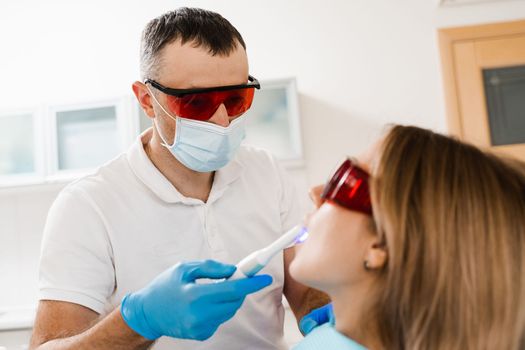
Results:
x,y
143,96
376,256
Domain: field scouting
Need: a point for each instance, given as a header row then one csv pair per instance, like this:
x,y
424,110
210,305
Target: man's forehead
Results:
x,y
190,66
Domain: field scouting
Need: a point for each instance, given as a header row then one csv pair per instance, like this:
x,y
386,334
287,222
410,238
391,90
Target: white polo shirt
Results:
x,y
112,232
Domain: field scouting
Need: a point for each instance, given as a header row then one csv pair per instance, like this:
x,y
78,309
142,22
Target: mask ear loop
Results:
x,y
164,142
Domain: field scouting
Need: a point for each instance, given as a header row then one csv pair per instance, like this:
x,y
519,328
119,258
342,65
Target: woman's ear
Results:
x,y
376,257
315,195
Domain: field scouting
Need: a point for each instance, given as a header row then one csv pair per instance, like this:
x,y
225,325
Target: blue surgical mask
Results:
x,y
203,146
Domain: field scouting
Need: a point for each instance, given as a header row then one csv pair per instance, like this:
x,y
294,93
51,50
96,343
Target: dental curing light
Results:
x,y
257,260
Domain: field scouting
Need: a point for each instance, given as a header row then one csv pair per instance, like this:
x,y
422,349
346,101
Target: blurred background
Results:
x,y
334,74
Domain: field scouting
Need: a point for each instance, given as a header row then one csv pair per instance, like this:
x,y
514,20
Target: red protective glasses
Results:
x,y
201,104
348,187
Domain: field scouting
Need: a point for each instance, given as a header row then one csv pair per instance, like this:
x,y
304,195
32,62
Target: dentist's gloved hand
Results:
x,y
316,318
174,305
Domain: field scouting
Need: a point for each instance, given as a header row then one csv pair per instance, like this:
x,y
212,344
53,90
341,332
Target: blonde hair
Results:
x,y
453,221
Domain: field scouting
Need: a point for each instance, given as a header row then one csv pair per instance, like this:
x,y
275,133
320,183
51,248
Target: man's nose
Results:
x,y
220,117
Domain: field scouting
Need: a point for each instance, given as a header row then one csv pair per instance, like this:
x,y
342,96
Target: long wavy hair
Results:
x,y
453,221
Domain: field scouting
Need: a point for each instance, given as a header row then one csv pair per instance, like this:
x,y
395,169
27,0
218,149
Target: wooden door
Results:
x,y
484,76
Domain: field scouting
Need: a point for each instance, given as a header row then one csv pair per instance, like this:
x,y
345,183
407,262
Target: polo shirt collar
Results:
x,y
156,182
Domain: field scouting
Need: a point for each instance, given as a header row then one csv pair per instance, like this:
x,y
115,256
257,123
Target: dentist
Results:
x,y
124,248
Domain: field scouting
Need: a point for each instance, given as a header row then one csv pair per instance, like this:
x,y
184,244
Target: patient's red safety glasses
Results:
x,y
348,187
201,104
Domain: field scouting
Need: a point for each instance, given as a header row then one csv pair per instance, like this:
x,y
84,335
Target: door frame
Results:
x,y
448,37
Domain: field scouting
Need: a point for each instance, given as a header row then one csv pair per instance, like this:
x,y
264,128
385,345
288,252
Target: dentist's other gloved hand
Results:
x,y
174,305
316,318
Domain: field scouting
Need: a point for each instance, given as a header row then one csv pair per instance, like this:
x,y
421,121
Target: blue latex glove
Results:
x,y
317,317
174,305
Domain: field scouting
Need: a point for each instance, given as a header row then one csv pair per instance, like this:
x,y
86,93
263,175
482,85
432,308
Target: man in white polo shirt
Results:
x,y
123,247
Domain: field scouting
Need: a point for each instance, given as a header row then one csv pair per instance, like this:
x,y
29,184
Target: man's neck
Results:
x,y
188,182
351,311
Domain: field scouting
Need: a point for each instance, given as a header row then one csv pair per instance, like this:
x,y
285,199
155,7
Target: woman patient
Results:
x,y
426,252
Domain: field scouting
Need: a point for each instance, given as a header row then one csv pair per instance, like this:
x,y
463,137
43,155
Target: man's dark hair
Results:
x,y
204,28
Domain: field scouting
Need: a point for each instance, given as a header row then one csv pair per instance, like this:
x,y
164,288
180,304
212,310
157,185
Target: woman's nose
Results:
x,y
315,195
306,219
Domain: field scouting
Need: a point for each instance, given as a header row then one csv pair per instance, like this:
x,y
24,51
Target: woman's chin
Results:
x,y
305,274
297,270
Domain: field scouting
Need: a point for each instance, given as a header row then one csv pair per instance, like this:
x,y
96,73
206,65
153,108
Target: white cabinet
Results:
x,y
86,137
56,143
15,328
20,159
15,339
17,154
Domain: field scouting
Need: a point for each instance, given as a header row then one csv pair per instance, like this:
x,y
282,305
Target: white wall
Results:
x,y
359,65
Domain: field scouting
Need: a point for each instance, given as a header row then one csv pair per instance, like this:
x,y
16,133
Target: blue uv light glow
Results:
x,y
302,236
